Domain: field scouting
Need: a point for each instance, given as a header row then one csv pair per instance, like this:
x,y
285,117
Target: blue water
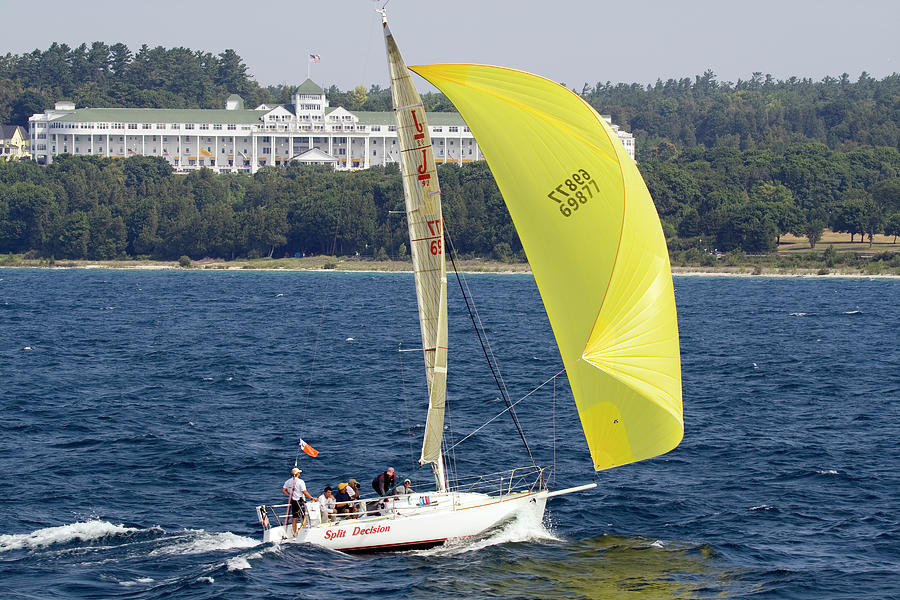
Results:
x,y
146,413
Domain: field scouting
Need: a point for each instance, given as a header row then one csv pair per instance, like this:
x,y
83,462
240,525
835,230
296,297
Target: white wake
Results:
x,y
62,534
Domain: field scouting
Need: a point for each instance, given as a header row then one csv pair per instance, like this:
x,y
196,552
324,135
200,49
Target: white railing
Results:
x,y
503,483
522,479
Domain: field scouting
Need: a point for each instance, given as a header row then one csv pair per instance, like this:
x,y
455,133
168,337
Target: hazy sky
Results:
x,y
570,41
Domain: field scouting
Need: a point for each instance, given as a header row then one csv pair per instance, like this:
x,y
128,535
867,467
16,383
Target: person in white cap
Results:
x,y
295,488
405,488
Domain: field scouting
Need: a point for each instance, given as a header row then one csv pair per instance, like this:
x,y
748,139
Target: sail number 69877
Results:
x,y
575,191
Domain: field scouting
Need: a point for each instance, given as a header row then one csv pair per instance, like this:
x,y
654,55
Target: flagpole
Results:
x,y
308,63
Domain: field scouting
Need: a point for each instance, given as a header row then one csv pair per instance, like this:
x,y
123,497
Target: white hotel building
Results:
x,y
240,140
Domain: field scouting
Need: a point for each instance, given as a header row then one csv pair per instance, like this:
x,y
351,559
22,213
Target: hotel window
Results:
x,y
188,125
454,129
217,127
160,125
132,126
176,126
145,126
204,125
376,127
232,127
437,129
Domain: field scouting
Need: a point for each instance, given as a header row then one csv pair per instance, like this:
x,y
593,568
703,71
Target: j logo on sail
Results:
x,y
423,175
420,135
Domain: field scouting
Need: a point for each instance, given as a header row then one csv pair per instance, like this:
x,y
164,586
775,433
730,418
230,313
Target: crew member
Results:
x,y
385,482
342,500
327,505
295,488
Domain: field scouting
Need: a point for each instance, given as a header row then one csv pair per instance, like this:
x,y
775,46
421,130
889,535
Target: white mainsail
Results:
x,y
426,234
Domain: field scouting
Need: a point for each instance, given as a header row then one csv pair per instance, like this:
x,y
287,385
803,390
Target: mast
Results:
x,y
426,234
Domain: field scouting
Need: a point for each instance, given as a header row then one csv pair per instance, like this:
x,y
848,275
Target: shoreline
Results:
x,y
471,266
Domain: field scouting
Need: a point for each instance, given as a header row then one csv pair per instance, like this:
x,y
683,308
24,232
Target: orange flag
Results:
x,y
308,449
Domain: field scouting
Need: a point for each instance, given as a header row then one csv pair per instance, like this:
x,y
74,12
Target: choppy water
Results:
x,y
145,414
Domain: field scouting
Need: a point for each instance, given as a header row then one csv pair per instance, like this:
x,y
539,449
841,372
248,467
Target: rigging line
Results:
x,y
448,452
487,355
498,377
409,431
337,225
553,473
499,414
467,293
315,357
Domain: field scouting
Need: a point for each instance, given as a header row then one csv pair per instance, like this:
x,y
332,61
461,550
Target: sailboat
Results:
x,y
598,255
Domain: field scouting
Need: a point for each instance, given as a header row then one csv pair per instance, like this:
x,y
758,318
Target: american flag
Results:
x,y
314,58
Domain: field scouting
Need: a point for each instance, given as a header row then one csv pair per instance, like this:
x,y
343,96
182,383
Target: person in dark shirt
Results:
x,y
385,482
342,500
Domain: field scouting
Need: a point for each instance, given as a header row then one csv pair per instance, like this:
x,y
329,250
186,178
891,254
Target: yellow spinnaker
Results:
x,y
596,248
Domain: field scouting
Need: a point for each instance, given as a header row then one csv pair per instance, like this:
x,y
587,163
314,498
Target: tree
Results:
x,y
850,215
31,211
886,195
813,230
892,226
747,228
107,234
357,98
74,238
29,103
778,203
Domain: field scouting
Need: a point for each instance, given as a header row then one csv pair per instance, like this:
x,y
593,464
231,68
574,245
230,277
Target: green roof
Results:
x,y
247,117
162,115
309,87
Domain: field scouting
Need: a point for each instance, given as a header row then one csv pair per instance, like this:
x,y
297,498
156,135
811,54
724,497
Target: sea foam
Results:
x,y
62,534
199,541
527,526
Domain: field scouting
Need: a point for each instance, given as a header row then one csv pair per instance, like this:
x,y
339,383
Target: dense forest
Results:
x,y
730,165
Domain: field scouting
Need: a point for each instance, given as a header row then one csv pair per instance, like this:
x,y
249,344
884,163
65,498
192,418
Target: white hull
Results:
x,y
406,524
